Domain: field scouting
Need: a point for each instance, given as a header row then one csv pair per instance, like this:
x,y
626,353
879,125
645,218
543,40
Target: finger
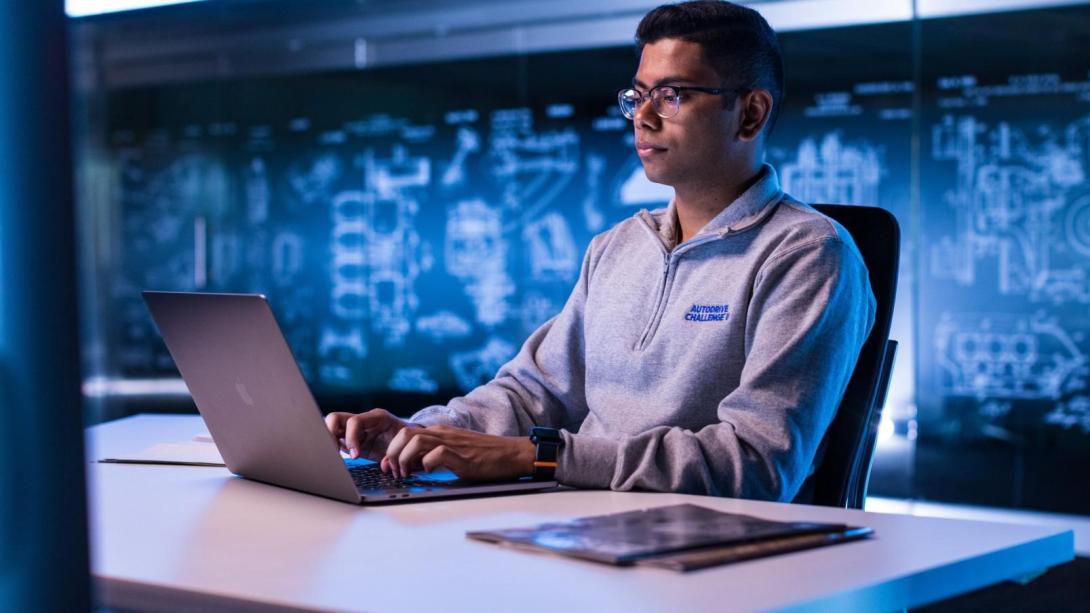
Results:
x,y
334,422
394,448
442,457
355,429
358,427
409,458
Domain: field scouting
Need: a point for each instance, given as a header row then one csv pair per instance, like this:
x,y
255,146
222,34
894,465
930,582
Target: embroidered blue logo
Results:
x,y
708,312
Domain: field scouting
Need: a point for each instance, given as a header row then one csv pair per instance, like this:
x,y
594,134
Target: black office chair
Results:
x,y
843,474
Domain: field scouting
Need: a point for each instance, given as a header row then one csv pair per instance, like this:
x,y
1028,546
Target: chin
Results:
x,y
657,175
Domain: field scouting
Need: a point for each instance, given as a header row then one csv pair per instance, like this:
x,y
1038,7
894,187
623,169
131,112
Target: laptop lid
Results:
x,y
257,406
249,390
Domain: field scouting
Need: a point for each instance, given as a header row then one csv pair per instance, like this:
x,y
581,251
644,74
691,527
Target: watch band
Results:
x,y
548,443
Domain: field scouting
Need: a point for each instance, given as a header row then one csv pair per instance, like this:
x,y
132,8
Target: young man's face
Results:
x,y
697,145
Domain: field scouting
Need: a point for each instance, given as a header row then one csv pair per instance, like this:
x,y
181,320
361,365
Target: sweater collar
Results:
x,y
744,212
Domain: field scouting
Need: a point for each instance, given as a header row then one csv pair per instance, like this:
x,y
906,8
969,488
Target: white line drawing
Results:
x,y
1077,225
1011,204
341,348
532,168
553,254
1070,415
595,164
257,192
1007,356
476,252
347,269
442,326
474,368
313,179
468,142
536,309
833,172
377,253
413,380
287,257
390,178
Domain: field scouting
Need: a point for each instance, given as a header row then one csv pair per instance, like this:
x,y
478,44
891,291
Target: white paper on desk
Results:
x,y
185,452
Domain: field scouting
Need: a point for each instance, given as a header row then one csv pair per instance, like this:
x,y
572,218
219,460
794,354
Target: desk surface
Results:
x,y
176,538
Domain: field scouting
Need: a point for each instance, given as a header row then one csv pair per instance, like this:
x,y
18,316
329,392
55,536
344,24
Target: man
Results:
x,y
705,347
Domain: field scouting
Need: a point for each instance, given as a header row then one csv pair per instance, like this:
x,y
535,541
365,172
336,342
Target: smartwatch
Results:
x,y
548,443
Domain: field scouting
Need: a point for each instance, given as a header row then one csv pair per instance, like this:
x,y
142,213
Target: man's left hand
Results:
x,y
471,455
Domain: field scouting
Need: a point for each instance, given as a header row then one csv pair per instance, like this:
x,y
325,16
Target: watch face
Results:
x,y
543,434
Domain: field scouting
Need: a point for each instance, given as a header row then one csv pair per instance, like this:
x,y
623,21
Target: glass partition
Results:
x,y
412,221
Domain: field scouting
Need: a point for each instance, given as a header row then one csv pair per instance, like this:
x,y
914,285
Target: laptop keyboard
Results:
x,y
371,477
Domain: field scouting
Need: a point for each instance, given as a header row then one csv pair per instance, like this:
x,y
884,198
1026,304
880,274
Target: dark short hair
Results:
x,y
737,42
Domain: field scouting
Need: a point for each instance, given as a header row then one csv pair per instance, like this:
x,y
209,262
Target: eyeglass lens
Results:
x,y
664,101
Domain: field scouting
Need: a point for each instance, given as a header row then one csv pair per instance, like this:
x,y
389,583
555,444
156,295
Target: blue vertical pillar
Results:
x,y
43,518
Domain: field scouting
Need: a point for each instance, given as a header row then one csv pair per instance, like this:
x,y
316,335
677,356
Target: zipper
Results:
x,y
667,282
660,305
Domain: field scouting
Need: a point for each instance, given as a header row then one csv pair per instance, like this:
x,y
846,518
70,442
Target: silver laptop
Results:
x,y
261,414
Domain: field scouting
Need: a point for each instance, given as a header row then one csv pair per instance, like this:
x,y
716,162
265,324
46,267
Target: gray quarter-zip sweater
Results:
x,y
711,367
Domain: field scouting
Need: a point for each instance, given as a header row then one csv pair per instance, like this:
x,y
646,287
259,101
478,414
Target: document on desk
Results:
x,y
190,453
678,537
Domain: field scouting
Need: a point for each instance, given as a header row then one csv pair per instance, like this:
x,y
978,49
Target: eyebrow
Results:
x,y
672,79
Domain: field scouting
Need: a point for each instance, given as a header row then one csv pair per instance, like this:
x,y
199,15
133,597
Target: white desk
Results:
x,y
192,538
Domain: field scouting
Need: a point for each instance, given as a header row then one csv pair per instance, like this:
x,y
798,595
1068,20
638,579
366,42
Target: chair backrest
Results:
x,y
842,475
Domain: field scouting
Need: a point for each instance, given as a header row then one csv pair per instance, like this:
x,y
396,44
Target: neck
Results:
x,y
698,204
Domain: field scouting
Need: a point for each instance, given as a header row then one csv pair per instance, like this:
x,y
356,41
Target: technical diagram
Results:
x,y
833,172
1077,225
553,254
312,179
595,165
287,257
533,168
442,326
376,258
1009,357
1019,201
413,380
475,252
257,192
473,368
1071,415
537,308
468,142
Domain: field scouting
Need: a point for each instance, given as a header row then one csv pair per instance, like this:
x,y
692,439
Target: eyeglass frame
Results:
x,y
715,91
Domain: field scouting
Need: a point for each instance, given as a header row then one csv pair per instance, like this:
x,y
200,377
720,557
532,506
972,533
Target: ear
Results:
x,y
756,109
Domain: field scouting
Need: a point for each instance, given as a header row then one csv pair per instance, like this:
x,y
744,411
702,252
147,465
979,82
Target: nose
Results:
x,y
645,116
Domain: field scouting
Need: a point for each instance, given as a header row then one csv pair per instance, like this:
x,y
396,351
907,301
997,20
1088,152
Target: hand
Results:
x,y
470,455
366,435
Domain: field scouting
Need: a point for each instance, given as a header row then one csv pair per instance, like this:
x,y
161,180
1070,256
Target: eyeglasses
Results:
x,y
665,99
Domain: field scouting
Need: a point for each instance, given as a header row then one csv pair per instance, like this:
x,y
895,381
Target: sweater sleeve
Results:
x,y
811,311
544,384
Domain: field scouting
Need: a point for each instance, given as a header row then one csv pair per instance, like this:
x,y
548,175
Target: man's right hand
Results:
x,y
366,435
